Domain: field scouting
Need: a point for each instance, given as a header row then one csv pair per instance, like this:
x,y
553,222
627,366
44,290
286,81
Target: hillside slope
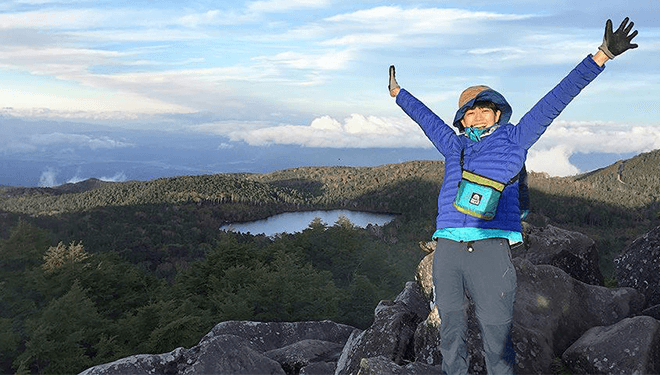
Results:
x,y
632,184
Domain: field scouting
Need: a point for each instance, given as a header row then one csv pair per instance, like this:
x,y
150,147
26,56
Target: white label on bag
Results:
x,y
475,199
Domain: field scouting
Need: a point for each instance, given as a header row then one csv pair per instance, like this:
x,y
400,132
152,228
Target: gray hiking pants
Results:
x,y
483,269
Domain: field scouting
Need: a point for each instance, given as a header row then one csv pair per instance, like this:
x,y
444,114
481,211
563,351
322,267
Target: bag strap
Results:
x,y
512,180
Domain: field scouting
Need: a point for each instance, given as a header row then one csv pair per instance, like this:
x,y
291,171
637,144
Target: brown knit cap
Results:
x,y
470,93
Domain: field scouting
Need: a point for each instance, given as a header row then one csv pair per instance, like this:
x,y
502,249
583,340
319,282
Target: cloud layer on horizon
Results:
x,y
550,154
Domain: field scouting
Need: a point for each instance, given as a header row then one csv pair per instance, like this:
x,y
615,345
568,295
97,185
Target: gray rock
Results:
x,y
236,347
294,357
222,354
571,251
229,354
653,311
552,310
427,340
638,266
319,368
380,365
383,366
631,346
167,363
424,274
267,336
534,353
391,335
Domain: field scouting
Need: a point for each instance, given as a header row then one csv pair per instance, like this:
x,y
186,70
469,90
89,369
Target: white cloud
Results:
x,y
553,161
355,131
42,2
132,35
327,60
589,137
422,20
280,6
552,152
46,113
77,139
396,26
524,50
118,177
56,18
250,14
559,142
193,20
48,178
215,17
362,39
68,63
84,102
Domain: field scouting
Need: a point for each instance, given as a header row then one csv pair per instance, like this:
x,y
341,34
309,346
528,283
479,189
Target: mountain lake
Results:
x,y
292,222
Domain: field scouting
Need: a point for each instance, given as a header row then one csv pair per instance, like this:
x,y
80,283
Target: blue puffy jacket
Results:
x,y
499,156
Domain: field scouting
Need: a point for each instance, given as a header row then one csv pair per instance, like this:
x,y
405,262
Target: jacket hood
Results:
x,y
488,95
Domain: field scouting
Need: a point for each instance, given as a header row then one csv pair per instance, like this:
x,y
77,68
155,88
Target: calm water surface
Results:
x,y
291,222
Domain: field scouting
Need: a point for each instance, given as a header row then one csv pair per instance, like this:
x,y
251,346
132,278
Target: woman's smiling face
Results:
x,y
480,117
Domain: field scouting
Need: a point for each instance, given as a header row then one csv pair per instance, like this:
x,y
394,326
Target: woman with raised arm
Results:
x,y
478,206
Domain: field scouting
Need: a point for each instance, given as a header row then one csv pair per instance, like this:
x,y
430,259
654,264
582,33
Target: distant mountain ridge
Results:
x,y
68,188
635,181
631,184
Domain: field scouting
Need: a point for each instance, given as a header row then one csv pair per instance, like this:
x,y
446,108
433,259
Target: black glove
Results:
x,y
618,42
393,86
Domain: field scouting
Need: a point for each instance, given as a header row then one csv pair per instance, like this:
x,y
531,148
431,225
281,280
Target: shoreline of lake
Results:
x,y
297,221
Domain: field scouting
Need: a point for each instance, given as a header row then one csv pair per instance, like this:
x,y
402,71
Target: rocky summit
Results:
x,y
560,324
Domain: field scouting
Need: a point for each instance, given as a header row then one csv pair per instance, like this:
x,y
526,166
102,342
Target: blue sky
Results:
x,y
78,74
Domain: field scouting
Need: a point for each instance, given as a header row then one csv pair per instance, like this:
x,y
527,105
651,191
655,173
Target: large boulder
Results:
x,y
267,336
224,354
392,333
228,354
638,266
653,311
382,365
552,310
167,363
239,347
631,346
301,354
427,341
571,251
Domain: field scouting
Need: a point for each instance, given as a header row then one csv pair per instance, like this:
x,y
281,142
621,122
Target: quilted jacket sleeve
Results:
x,y
534,123
441,135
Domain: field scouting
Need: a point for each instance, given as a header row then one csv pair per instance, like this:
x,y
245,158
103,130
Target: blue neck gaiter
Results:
x,y
476,134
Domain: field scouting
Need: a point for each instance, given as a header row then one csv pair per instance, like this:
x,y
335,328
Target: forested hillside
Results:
x,y
95,271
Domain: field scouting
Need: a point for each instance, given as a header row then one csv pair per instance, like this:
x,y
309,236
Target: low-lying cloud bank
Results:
x,y
58,149
49,178
551,154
